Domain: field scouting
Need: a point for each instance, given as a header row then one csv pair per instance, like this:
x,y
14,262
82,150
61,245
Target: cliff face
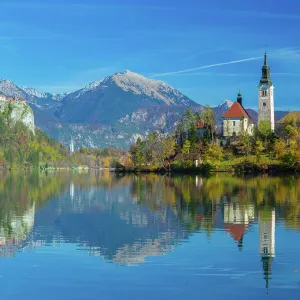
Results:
x,y
20,112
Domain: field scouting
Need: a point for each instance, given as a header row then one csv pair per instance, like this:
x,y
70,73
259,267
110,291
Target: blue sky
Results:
x,y
60,46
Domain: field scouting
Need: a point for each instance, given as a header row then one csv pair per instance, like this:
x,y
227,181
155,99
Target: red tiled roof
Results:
x,y
200,124
236,111
236,230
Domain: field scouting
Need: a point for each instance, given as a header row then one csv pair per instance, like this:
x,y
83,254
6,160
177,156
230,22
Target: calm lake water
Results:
x,y
96,235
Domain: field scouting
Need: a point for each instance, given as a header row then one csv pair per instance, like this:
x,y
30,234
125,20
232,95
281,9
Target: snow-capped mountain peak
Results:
x,y
226,104
138,84
33,92
9,88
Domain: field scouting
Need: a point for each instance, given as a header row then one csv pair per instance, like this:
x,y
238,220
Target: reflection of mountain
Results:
x,y
126,219
110,224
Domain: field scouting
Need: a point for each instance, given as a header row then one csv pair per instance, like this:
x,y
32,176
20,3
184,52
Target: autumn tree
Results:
x,y
209,118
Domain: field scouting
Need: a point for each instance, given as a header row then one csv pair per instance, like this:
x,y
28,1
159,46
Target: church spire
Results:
x,y
265,76
266,59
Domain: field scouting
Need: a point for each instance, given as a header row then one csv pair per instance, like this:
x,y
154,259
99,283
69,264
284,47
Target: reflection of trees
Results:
x,y
198,204
21,194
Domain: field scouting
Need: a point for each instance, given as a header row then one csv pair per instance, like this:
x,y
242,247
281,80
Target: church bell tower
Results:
x,y
266,96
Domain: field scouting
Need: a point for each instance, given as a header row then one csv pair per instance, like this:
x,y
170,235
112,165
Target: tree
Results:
x,y
290,128
264,129
280,149
166,150
192,134
189,124
186,147
214,154
209,118
259,148
265,135
150,145
139,153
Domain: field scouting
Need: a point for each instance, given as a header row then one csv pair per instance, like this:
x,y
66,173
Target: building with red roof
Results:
x,y
237,219
201,128
236,120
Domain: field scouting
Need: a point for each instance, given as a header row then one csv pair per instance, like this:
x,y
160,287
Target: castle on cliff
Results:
x,y
20,110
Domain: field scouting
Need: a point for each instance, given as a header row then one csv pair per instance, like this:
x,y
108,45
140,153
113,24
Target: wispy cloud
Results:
x,y
206,67
292,53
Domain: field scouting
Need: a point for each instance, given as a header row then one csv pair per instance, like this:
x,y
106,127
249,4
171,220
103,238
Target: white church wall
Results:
x,y
235,127
266,105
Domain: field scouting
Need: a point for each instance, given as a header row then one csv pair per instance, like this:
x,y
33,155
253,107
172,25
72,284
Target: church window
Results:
x,y
264,104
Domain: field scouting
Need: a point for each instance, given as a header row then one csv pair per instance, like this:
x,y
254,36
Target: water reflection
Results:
x,y
126,219
237,219
266,222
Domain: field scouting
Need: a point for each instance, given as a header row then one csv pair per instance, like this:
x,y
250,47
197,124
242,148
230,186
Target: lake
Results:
x,y
97,235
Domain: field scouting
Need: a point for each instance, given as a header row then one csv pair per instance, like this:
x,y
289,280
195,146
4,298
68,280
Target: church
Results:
x,y
236,120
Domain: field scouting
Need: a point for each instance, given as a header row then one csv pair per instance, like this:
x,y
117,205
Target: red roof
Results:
x,y
200,124
236,230
236,111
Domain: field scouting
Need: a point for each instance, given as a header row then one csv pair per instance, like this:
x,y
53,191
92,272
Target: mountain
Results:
x,y
107,101
113,111
41,100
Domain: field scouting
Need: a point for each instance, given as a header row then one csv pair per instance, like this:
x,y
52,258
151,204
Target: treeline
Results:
x,y
104,158
195,138
159,150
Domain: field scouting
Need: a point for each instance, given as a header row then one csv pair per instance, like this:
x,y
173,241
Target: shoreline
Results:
x,y
236,169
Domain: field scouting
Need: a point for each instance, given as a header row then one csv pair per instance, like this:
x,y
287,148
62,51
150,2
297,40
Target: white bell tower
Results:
x,y
266,96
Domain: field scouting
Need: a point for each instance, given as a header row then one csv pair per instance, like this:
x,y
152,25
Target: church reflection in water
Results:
x,y
127,219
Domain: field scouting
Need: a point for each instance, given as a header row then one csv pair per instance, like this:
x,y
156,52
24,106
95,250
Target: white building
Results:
x,y
267,234
237,218
236,120
266,96
266,223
